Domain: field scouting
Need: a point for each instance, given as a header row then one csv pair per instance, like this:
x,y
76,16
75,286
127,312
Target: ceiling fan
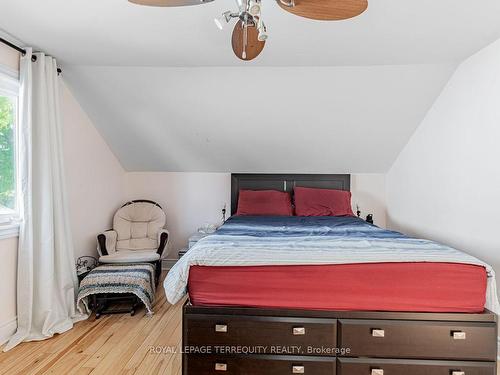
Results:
x,y
250,32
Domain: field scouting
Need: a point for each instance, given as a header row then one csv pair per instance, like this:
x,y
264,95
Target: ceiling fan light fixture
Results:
x,y
262,37
221,21
254,8
250,33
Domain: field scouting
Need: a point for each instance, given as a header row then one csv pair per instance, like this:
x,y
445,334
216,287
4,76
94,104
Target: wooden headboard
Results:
x,y
285,182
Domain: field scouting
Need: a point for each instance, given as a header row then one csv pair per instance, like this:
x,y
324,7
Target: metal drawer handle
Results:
x,y
378,333
459,335
377,371
298,369
299,331
220,367
221,328
453,372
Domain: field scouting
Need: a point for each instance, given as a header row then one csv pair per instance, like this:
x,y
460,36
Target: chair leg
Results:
x,y
158,272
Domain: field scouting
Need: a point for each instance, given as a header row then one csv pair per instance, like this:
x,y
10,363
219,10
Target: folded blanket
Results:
x,y
136,278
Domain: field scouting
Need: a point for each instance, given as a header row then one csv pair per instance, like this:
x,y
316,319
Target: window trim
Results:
x,y
9,231
9,86
10,81
9,72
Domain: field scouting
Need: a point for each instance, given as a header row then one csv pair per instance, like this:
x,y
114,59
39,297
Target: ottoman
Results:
x,y
130,284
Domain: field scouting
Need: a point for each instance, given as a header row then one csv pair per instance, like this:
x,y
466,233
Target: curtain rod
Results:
x,y
18,49
22,51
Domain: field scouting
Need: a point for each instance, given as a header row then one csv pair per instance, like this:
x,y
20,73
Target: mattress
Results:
x,y
329,263
418,287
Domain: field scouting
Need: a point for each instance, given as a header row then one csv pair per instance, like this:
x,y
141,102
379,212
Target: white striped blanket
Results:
x,y
136,279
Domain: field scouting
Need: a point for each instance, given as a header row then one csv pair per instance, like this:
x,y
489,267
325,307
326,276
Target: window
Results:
x,y
9,92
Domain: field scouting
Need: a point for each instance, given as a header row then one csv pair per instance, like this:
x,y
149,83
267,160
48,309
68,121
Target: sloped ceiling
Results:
x,y
330,119
166,92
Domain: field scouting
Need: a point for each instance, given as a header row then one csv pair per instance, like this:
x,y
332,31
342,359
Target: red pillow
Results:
x,y
264,202
322,202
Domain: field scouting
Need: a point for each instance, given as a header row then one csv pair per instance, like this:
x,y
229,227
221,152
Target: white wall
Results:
x,y
368,192
95,178
445,184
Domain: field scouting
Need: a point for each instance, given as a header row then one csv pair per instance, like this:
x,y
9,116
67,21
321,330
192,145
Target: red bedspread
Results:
x,y
420,287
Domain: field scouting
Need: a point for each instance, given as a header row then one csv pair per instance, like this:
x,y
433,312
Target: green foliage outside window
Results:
x,y
7,153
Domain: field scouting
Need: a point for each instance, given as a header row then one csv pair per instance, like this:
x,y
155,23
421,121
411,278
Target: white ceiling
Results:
x,y
328,119
116,32
166,92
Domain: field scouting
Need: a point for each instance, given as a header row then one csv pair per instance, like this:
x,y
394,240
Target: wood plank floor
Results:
x,y
113,344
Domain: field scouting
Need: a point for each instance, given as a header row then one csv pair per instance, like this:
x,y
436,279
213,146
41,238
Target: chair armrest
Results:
x,y
106,242
163,238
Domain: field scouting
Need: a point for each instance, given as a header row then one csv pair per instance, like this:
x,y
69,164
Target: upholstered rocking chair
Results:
x,y
138,236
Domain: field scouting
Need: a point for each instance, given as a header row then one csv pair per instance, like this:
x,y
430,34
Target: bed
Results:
x,y
328,295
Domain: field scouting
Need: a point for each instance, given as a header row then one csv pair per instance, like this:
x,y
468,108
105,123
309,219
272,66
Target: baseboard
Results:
x,y
7,330
168,263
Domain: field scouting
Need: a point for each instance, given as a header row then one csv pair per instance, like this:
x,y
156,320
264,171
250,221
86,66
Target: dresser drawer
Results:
x,y
351,366
258,365
268,335
412,339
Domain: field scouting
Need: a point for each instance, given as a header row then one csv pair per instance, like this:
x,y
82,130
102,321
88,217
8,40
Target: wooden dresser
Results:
x,y
246,341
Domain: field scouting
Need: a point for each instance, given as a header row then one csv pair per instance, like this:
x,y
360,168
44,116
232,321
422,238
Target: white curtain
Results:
x,y
46,276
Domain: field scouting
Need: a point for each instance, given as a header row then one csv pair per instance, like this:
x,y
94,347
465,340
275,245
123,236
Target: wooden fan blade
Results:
x,y
325,10
254,46
169,3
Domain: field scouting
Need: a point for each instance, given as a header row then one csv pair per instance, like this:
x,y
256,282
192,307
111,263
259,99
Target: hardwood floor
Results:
x,y
113,344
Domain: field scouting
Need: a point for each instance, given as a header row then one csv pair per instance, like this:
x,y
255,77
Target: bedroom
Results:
x,y
390,109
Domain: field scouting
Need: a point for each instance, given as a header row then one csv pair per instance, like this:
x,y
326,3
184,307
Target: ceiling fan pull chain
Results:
x,y
245,40
245,36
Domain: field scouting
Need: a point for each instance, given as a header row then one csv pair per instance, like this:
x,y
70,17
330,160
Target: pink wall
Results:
x,y
9,58
95,178
8,270
189,199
